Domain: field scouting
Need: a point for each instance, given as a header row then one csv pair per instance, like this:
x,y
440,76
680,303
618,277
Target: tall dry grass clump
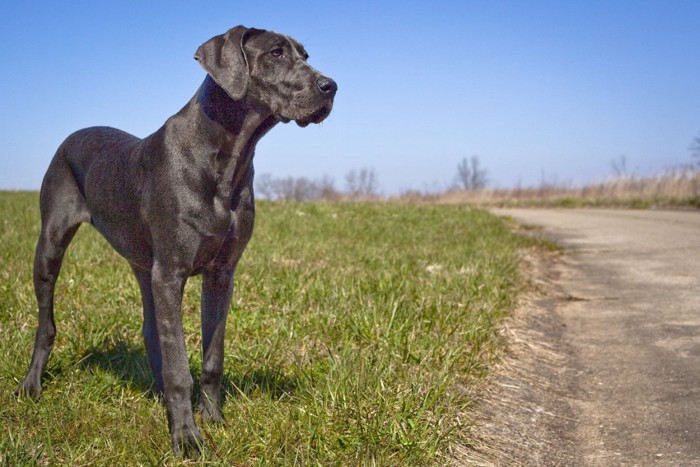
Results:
x,y
679,187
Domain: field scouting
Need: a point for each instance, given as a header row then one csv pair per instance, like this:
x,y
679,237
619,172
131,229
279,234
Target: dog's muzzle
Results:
x,y
327,88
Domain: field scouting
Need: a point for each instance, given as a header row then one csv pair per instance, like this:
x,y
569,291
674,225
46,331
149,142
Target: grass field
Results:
x,y
354,331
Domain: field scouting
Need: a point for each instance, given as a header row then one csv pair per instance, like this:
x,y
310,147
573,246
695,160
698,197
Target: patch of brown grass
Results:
x,y
679,188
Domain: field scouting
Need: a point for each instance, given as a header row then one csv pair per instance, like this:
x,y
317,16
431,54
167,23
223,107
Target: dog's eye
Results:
x,y
277,53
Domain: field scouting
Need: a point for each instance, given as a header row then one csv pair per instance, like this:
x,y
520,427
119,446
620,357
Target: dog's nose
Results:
x,y
327,86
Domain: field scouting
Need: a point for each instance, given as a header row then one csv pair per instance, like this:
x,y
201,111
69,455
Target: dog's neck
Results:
x,y
245,121
230,114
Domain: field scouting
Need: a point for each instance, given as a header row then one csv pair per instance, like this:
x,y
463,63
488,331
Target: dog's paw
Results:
x,y
187,442
29,388
211,413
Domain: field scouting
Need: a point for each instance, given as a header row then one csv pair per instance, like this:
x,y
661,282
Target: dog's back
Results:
x,y
82,148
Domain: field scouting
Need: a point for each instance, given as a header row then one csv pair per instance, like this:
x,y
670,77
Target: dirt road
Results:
x,y
623,324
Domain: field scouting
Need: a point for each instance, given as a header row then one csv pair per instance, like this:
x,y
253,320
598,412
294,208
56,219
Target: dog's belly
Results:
x,y
130,241
193,251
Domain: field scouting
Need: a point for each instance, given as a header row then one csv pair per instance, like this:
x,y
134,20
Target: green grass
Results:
x,y
353,328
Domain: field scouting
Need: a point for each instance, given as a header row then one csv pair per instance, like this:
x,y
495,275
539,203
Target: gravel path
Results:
x,y
605,361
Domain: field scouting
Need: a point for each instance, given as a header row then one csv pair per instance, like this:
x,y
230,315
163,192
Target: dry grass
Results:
x,y
678,188
525,404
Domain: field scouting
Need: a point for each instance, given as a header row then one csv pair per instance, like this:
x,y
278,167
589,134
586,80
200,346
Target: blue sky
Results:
x,y
551,90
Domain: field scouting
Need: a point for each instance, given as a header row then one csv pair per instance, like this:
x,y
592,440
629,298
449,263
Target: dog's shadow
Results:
x,y
128,362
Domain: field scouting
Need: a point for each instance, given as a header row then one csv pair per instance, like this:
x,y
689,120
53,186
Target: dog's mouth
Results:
x,y
317,117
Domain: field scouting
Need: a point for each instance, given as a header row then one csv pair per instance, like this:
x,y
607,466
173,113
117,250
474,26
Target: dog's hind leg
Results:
x,y
63,208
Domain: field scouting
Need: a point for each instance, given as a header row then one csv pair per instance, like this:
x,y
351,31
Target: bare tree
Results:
x,y
295,189
362,183
470,175
619,165
264,186
695,148
326,189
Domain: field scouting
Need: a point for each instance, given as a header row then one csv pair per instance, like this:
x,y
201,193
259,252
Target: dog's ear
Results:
x,y
224,59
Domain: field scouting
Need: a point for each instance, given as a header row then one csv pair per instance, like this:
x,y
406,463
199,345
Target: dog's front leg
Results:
x,y
217,288
168,284
150,329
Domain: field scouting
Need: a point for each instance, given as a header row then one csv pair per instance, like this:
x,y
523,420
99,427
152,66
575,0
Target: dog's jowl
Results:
x,y
178,203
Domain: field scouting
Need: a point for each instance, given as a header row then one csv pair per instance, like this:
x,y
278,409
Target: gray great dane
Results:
x,y
178,203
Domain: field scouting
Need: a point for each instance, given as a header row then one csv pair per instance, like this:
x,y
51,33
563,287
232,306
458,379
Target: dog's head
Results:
x,y
270,68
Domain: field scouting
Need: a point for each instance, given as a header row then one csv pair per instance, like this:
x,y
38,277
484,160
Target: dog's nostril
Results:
x,y
326,85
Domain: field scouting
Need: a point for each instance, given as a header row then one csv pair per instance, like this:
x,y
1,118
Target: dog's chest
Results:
x,y
209,241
